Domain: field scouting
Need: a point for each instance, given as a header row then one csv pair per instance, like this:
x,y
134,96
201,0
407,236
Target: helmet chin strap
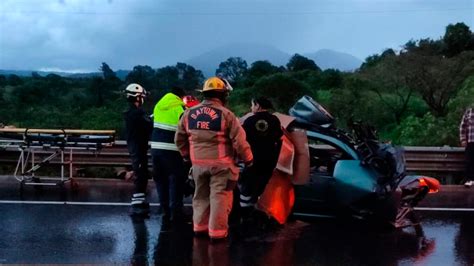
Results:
x,y
139,100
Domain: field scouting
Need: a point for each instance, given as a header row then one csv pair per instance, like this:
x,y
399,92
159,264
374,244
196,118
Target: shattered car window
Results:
x,y
323,157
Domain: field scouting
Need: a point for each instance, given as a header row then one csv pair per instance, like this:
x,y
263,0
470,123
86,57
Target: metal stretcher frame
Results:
x,y
59,142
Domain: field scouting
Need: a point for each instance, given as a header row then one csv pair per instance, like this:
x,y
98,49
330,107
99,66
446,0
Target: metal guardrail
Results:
x,y
435,159
448,160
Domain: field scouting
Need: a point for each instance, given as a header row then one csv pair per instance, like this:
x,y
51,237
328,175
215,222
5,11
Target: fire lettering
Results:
x,y
202,125
207,111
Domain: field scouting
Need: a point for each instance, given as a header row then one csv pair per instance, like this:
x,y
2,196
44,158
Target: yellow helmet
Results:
x,y
216,84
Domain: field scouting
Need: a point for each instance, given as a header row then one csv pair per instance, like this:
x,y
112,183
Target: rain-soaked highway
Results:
x,y
91,225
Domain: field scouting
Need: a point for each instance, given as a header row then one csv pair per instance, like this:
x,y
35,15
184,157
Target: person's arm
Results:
x,y
247,126
142,123
181,138
148,125
463,128
238,137
277,132
278,136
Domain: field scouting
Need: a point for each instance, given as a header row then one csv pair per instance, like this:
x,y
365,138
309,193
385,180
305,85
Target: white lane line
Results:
x,y
186,204
312,215
74,203
445,209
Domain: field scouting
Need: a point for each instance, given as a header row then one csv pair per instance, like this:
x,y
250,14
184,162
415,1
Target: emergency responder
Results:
x,y
210,136
264,133
168,168
138,127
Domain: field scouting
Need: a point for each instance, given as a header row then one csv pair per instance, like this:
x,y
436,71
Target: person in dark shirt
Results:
x,y
138,127
264,133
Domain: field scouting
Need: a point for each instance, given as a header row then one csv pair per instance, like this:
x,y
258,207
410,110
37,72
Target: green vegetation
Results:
x,y
413,97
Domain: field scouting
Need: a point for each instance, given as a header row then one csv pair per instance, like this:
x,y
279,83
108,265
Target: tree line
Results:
x,y
415,96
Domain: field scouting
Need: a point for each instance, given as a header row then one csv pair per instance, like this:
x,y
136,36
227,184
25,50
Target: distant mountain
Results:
x,y
28,73
21,73
121,74
208,62
326,58
81,75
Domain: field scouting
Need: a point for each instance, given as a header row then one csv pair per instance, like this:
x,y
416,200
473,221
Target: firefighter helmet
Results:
x,y
135,90
216,84
190,101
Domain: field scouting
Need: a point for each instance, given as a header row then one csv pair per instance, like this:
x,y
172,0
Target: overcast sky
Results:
x,y
77,35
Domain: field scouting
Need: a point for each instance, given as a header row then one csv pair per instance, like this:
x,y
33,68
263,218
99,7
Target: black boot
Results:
x,y
139,206
246,214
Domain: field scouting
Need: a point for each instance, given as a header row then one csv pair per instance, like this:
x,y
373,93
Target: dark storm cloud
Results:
x,y
79,35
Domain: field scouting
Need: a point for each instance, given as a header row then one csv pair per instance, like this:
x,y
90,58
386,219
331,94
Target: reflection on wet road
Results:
x,y
105,234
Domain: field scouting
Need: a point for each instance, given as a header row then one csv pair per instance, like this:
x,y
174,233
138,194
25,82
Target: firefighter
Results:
x,y
168,168
264,133
138,127
209,135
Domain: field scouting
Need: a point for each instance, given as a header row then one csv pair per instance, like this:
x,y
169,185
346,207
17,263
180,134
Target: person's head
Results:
x,y
135,93
260,104
190,101
178,91
216,87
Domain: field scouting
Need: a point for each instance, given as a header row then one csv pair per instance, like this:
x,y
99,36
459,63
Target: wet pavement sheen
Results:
x,y
41,233
67,233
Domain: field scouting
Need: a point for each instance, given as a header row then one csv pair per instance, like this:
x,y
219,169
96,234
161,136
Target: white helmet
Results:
x,y
135,90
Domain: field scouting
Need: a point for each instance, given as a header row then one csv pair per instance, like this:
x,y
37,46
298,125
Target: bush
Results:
x,y
426,131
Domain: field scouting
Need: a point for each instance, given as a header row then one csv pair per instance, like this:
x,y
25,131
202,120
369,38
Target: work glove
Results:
x,y
241,165
249,163
187,165
189,187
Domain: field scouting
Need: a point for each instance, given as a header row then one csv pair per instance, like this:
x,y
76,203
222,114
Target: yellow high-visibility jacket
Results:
x,y
166,115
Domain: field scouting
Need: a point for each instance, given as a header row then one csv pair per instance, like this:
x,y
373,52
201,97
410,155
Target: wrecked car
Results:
x,y
326,172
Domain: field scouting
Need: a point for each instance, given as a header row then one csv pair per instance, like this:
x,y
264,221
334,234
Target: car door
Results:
x,y
317,197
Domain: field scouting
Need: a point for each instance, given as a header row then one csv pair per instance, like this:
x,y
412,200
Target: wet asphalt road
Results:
x,y
41,233
94,227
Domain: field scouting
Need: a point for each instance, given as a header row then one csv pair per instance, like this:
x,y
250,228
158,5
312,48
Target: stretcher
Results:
x,y
38,148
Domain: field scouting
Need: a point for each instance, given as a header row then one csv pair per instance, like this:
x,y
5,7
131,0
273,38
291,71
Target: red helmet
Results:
x,y
190,101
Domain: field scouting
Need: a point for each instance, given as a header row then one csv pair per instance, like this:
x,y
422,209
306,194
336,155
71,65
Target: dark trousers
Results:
x,y
470,161
169,176
140,168
254,179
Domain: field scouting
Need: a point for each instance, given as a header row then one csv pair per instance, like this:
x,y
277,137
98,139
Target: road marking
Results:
x,y
188,205
74,203
417,208
445,209
312,215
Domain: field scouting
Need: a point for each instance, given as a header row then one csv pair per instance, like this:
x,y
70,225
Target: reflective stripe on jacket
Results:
x,y
210,134
166,116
